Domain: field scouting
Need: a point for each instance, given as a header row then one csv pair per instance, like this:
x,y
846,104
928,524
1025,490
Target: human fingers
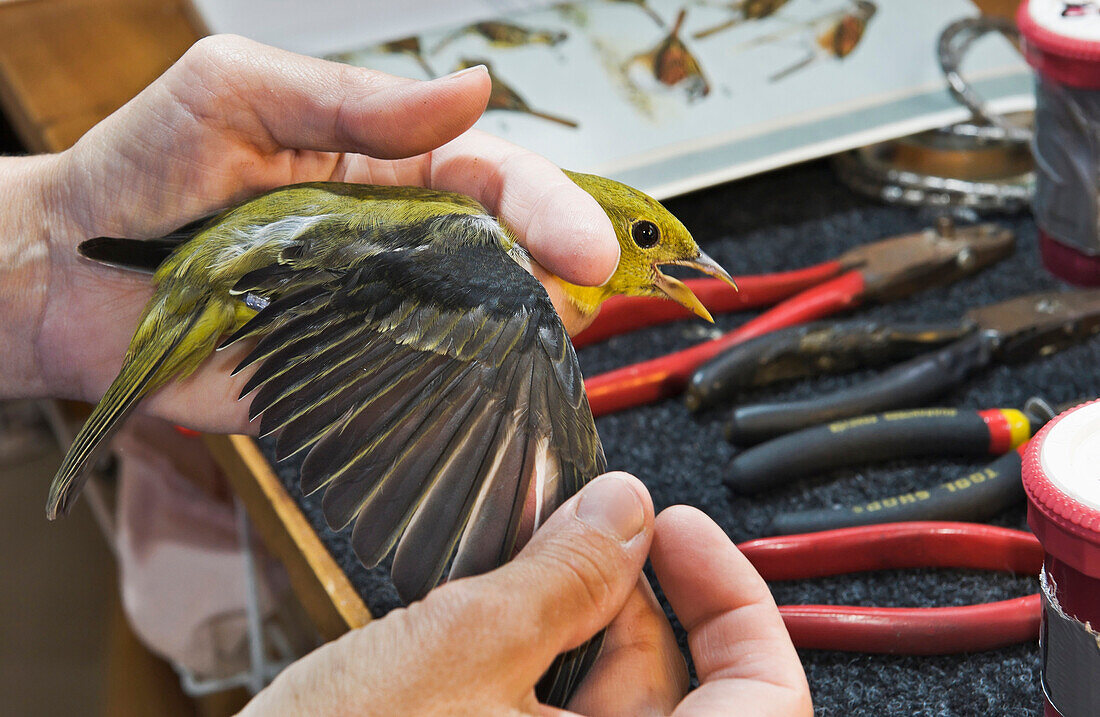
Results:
x,y
566,584
640,670
742,652
479,645
562,226
293,101
233,117
339,108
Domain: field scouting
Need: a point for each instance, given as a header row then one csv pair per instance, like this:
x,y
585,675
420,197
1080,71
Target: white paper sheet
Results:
x,y
814,78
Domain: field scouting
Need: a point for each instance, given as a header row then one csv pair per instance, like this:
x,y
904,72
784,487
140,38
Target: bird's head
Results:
x,y
649,237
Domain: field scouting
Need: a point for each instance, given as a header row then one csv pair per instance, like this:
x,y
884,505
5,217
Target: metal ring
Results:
x,y
955,41
865,172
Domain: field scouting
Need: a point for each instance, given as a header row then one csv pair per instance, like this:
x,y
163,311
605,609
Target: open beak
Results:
x,y
678,291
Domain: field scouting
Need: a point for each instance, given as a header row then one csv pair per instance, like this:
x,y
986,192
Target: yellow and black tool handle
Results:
x,y
974,497
907,384
878,437
811,350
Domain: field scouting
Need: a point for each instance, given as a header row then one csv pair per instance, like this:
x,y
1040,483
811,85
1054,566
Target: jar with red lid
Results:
x,y
1061,474
1061,41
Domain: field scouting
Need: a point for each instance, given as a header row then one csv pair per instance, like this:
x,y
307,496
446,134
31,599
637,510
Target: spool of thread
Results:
x,y
1061,41
1061,475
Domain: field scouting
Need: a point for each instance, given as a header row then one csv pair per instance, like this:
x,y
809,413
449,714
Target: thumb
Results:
x,y
306,103
570,580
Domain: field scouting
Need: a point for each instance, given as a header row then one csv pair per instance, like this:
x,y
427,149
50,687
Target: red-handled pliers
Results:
x,y
621,314
881,271
904,631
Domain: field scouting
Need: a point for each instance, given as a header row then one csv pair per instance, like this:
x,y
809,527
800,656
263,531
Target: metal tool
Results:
x,y
977,496
1018,329
974,496
904,631
885,436
877,272
622,314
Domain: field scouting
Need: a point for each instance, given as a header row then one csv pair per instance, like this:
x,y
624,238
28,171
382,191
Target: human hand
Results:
x,y
479,645
233,118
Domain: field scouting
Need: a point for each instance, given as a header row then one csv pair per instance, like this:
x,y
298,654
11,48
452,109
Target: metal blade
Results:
x,y
1039,324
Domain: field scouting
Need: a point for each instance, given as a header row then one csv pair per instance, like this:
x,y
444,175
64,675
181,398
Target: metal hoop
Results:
x,y
955,41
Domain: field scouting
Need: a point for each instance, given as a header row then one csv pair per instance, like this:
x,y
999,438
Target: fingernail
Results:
x,y
610,505
618,258
467,71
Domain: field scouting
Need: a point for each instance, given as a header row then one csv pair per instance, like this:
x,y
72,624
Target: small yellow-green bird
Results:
x,y
405,347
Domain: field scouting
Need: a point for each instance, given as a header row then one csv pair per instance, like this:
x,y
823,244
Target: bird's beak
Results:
x,y
678,291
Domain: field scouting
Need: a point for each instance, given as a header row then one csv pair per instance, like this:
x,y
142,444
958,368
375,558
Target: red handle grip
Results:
x,y
622,314
648,381
914,631
905,631
916,544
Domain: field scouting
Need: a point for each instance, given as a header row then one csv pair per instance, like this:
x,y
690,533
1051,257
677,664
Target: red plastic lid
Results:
x,y
1068,263
1061,473
1061,43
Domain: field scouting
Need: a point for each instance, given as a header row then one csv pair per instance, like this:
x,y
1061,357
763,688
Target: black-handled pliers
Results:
x,y
975,496
941,358
884,436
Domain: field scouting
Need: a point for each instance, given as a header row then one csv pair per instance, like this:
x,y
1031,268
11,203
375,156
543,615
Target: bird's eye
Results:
x,y
645,234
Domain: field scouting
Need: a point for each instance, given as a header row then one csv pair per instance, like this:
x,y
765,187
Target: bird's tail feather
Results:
x,y
140,374
143,255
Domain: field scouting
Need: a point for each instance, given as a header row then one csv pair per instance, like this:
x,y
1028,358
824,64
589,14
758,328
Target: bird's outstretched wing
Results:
x,y
436,393
439,400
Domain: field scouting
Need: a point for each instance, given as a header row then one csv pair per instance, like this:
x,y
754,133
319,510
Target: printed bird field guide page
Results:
x,y
666,95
